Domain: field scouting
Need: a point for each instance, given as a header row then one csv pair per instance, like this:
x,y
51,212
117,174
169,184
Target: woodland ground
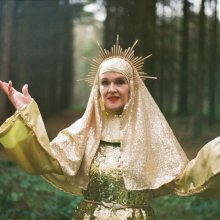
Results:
x,y
26,197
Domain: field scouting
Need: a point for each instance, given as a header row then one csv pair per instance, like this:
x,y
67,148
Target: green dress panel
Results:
x,y
106,196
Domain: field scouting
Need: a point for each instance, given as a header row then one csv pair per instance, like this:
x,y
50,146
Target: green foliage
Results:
x,y
27,197
186,208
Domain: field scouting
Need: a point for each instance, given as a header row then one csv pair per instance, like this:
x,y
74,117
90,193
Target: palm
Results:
x,y
18,99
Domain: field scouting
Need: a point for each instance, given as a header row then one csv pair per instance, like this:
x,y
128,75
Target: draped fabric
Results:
x,y
24,138
143,129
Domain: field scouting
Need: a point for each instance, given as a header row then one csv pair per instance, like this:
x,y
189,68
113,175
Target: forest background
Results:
x,y
42,42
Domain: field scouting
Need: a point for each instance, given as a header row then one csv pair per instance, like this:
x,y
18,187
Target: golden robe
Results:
x,y
25,139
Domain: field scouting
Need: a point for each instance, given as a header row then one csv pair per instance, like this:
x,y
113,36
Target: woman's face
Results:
x,y
114,91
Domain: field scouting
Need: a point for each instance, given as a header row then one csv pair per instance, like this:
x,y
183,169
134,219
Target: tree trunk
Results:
x,y
21,44
145,23
183,80
213,64
7,24
67,74
162,60
200,72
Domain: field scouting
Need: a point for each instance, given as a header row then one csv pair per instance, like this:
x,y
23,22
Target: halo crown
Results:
x,y
116,51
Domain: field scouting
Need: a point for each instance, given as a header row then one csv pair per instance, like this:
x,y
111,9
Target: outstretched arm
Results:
x,y
17,133
202,174
18,99
26,141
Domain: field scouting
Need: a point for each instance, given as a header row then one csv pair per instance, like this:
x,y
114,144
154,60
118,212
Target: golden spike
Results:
x,y
126,52
117,45
137,63
148,77
117,50
115,54
134,44
102,53
148,56
120,51
113,49
106,53
86,59
95,62
130,49
130,55
83,79
117,40
136,59
101,49
140,64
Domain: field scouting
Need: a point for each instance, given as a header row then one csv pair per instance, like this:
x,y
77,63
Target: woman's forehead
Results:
x,y
112,75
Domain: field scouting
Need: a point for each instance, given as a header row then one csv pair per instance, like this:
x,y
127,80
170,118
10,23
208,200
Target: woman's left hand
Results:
x,y
18,99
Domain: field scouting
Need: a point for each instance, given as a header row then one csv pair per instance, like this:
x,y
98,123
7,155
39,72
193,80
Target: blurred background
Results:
x,y
42,43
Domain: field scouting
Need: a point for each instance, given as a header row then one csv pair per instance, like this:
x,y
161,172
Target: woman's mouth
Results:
x,y
113,98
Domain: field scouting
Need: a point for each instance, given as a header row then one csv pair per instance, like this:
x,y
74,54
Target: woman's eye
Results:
x,y
120,82
104,83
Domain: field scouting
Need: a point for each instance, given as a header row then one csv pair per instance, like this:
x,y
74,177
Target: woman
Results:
x,y
120,154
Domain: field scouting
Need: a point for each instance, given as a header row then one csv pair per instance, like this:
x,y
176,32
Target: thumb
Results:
x,y
25,91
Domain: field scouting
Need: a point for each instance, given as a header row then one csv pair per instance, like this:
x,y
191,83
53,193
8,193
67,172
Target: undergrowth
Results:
x,y
26,197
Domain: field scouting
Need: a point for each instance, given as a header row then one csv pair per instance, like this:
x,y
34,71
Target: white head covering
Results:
x,y
117,65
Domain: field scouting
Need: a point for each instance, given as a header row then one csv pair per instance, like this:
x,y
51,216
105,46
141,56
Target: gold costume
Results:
x,y
118,162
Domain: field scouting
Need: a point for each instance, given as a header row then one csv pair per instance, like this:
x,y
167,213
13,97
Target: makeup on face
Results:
x,y
114,90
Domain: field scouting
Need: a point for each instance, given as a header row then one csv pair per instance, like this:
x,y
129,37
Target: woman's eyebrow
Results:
x,y
120,77
117,78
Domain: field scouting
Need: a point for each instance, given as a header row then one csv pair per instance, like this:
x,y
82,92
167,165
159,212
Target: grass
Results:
x,y
186,208
26,197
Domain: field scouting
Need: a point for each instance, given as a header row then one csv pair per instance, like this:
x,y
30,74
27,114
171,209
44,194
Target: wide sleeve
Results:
x,y
201,176
22,136
25,140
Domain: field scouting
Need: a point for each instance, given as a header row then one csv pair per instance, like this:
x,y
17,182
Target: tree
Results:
x,y
213,63
201,71
183,79
6,30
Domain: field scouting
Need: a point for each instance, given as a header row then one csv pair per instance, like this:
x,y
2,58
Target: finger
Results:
x,y
25,91
1,84
10,91
4,86
10,88
9,85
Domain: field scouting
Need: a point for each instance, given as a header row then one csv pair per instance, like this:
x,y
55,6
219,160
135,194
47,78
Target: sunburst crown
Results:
x,y
116,51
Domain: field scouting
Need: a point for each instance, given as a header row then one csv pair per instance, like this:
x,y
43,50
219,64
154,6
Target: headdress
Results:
x,y
116,52
116,64
150,153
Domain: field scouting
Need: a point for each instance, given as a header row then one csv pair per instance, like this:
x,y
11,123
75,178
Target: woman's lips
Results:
x,y
113,99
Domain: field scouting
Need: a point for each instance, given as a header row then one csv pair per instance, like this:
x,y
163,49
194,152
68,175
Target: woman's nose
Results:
x,y
112,88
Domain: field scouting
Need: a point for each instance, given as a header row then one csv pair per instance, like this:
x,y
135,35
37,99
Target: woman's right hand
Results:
x,y
18,99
